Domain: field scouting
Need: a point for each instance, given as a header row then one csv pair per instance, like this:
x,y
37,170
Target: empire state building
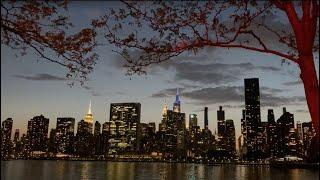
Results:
x,y
176,104
89,119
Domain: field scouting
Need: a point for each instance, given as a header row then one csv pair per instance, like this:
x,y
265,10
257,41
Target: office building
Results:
x,y
37,133
193,121
6,143
124,133
230,137
65,134
206,121
252,117
176,104
89,119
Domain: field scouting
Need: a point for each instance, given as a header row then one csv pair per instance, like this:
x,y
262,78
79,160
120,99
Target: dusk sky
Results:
x,y
31,86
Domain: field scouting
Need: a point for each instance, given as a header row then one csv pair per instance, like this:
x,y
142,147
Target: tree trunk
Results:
x,y
311,88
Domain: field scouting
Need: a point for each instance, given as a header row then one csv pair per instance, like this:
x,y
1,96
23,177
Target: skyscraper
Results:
x,y
16,135
252,102
230,137
221,122
286,142
16,143
37,133
271,116
179,119
252,116
193,121
64,134
97,128
98,140
162,125
299,130
176,104
272,135
89,119
152,127
6,131
206,123
52,145
172,130
244,131
221,125
84,139
307,133
126,119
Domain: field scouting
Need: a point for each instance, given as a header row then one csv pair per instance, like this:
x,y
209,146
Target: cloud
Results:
x,y
224,94
87,87
91,91
276,101
200,69
232,96
94,93
293,83
167,93
234,106
271,90
302,111
41,77
120,93
183,84
213,73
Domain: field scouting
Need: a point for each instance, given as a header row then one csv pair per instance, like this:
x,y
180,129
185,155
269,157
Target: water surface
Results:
x,y
83,170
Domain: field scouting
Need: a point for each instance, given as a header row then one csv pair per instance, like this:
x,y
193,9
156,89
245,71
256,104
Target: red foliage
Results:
x,y
41,26
189,26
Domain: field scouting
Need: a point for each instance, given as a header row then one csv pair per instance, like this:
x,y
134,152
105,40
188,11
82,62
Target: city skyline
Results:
x,y
160,89
29,86
88,117
212,122
125,134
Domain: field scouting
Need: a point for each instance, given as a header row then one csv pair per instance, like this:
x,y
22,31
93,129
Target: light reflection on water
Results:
x,y
55,170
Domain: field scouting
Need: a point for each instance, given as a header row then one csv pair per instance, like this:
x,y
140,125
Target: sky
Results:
x,y
31,86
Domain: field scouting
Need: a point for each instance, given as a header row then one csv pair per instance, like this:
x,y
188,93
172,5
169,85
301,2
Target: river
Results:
x,y
83,170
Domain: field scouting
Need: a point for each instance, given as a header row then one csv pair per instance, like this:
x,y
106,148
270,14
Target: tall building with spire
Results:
x,y
165,109
176,104
89,119
162,125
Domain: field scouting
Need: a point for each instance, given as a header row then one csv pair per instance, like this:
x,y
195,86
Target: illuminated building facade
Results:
x,y
89,119
193,121
124,132
84,140
272,134
221,125
221,121
176,104
65,134
307,133
287,142
6,144
37,133
252,116
230,136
